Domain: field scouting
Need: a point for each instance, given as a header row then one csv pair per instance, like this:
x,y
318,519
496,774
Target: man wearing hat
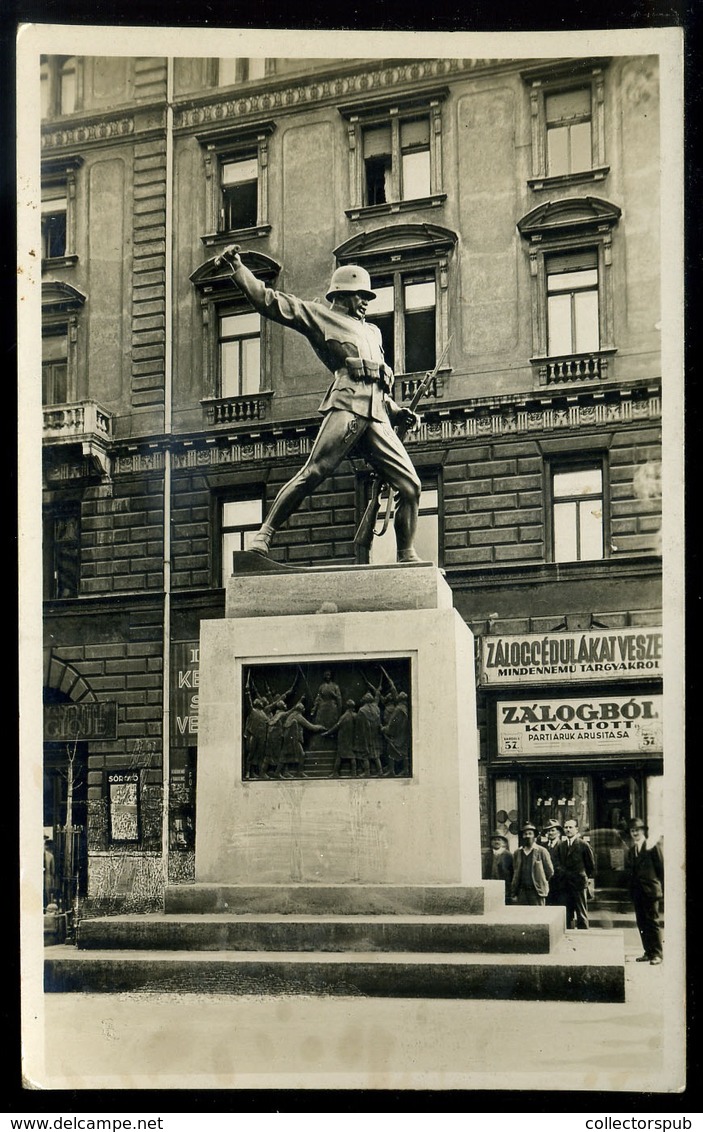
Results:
x,y
498,862
358,411
577,867
532,869
554,833
645,869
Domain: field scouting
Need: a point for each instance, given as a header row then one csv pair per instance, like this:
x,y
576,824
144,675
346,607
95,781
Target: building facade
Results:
x,y
510,208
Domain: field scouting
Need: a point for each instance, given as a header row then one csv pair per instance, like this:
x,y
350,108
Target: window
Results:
x,y
568,124
61,548
577,497
240,519
54,369
60,79
395,154
405,312
236,345
239,187
570,247
58,222
236,184
427,542
408,178
53,228
567,104
409,269
240,353
572,303
231,71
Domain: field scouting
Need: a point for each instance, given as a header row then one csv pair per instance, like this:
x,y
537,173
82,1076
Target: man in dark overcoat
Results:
x,y
645,869
577,867
498,862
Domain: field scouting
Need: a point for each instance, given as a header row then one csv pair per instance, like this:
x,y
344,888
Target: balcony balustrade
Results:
x,y
236,410
572,367
76,422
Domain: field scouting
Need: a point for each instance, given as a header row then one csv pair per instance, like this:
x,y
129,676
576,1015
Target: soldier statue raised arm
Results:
x,y
357,409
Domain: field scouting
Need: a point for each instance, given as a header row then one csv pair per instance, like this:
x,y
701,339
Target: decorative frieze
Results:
x,y
83,133
478,421
360,85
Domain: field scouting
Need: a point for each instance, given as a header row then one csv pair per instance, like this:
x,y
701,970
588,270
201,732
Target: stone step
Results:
x,y
583,967
337,899
511,931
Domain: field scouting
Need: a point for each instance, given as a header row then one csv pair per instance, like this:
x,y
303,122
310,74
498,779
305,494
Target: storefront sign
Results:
x,y
94,720
185,685
565,657
594,726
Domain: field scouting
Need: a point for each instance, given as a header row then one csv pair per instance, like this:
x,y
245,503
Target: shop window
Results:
x,y
240,519
427,538
236,184
395,154
577,512
572,303
560,797
61,552
568,122
570,246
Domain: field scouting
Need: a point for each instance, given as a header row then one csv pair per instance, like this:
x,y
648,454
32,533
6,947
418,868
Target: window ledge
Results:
x,y
392,207
230,411
563,179
573,368
214,239
55,262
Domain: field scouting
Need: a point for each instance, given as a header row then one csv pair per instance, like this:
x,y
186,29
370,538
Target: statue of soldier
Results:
x,y
277,710
328,702
357,410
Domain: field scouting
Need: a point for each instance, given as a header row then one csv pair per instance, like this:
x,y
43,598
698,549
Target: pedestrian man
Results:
x,y
645,870
498,862
577,867
357,410
532,869
553,834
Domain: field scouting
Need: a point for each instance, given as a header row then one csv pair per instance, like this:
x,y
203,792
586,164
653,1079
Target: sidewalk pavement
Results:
x,y
214,1041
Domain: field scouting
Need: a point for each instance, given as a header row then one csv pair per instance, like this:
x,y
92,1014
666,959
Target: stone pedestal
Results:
x,y
421,829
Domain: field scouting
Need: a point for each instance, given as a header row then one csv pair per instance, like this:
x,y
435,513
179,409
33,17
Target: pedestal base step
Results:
x,y
586,969
508,933
337,899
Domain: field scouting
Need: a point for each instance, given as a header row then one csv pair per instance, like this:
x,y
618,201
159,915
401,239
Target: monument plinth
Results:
x,y
412,826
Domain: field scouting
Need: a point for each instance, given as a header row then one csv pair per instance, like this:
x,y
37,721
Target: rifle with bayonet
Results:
x,y
367,527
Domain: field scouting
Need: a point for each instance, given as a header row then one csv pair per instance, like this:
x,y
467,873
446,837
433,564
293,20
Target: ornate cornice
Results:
x,y
318,89
99,129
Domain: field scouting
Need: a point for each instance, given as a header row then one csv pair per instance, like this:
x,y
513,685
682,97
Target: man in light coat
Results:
x,y
532,869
